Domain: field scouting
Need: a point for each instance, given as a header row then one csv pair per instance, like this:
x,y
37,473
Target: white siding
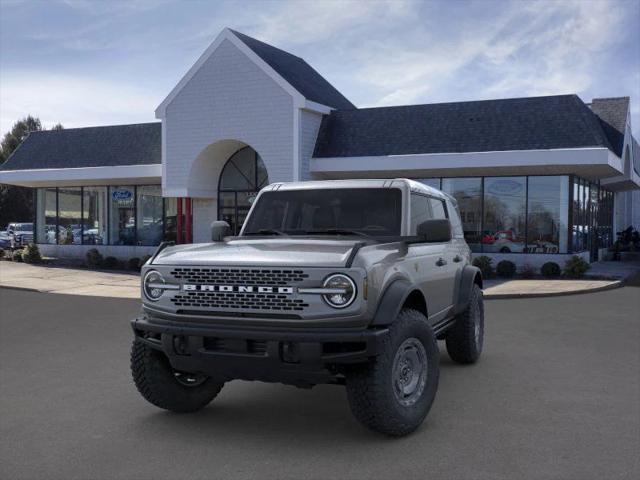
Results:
x,y
309,126
229,97
204,212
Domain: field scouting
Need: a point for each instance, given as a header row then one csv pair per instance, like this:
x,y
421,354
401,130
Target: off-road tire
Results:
x,y
156,382
463,345
370,387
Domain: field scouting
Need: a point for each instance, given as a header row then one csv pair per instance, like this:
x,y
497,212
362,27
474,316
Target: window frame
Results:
x,y
256,187
108,188
429,198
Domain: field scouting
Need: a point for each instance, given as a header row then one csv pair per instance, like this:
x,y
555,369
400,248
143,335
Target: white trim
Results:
x,y
190,192
163,153
317,107
82,175
296,144
227,34
472,160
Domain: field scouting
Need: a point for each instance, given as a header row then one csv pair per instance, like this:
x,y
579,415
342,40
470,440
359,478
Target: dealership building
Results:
x,y
536,179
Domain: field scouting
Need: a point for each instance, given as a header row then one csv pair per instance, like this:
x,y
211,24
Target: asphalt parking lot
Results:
x,y
556,395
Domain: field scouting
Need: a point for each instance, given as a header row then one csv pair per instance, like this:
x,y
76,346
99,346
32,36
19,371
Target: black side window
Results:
x,y
438,208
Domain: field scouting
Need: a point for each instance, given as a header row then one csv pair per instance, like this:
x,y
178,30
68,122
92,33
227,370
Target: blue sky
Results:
x,y
83,63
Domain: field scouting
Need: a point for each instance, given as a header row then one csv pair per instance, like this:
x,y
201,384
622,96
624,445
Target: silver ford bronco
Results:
x,y
343,282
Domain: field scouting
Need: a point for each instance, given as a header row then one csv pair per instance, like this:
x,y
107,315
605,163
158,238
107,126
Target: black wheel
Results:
x,y
464,340
393,393
167,388
505,250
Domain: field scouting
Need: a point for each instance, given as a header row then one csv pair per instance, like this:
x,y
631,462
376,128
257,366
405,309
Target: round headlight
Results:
x,y
344,290
151,283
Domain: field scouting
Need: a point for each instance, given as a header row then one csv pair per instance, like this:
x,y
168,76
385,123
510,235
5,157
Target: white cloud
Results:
x,y
532,48
376,52
314,21
72,100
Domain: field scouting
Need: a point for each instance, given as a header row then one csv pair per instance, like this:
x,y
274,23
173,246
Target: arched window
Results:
x,y
242,177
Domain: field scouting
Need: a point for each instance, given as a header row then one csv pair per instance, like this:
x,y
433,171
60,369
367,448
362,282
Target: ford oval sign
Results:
x,y
505,187
121,194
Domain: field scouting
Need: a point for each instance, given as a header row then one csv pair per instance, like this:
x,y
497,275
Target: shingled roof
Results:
x,y
533,123
114,145
612,113
298,73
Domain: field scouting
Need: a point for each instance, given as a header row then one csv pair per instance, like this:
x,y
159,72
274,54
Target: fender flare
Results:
x,y
391,302
467,279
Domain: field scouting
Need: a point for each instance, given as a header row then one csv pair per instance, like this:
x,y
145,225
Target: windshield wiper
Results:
x,y
339,231
267,231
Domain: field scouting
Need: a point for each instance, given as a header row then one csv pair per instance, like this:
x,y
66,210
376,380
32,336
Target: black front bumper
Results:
x,y
300,357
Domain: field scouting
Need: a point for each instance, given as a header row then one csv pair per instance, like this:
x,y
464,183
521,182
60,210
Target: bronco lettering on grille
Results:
x,y
237,289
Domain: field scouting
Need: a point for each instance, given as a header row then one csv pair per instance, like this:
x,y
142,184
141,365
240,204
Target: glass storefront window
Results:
x,y
547,215
593,216
592,211
104,215
582,218
468,194
242,177
149,215
170,219
606,215
94,214
504,215
122,221
69,216
46,215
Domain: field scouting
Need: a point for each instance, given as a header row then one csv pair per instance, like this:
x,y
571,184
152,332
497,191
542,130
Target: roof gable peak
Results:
x,y
225,34
292,73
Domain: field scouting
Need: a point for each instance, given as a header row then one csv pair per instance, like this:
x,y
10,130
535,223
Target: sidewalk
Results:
x,y
75,281
500,289
70,281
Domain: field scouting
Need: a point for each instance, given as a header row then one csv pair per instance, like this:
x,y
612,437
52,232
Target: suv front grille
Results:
x,y
238,301
239,276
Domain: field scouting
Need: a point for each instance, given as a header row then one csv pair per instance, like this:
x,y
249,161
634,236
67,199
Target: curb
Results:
x,y
25,289
506,296
487,296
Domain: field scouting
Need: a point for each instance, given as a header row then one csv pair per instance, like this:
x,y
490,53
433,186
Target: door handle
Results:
x,y
457,258
441,262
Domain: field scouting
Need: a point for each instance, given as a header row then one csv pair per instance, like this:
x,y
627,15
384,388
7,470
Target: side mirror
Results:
x,y
219,230
435,231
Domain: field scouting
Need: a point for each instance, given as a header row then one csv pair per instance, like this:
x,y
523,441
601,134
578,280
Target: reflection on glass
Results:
x,y
468,193
504,215
94,216
239,173
122,222
149,215
69,216
46,216
170,216
580,225
420,212
605,219
242,177
593,217
547,214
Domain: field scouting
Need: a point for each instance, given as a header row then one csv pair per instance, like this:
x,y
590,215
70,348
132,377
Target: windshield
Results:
x,y
23,227
339,211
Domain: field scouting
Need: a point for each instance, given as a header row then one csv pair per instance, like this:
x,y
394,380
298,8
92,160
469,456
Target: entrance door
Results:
x,y
242,177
